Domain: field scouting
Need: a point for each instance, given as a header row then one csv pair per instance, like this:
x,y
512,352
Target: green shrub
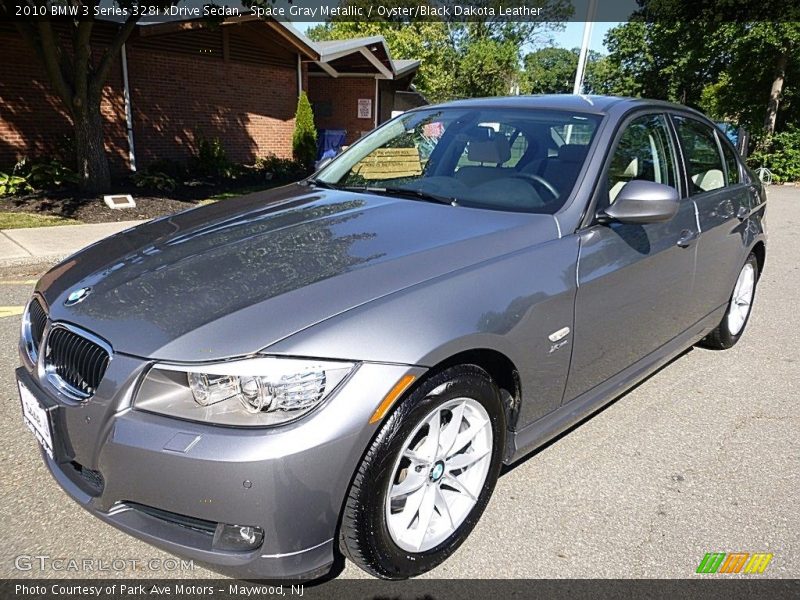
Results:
x,y
304,140
782,157
211,159
51,174
154,180
281,170
47,175
13,185
173,168
236,171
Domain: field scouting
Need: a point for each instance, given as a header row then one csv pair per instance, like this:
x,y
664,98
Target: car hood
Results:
x,y
231,278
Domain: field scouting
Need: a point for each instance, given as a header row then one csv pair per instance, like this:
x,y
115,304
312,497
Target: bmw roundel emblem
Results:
x,y
78,295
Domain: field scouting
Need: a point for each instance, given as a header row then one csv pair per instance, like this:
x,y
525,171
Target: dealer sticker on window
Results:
x,y
35,417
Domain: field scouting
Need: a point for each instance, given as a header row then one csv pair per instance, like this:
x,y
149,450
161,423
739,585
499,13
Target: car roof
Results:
x,y
599,105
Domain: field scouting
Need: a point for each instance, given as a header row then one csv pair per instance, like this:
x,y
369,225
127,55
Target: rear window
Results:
x,y
703,161
731,163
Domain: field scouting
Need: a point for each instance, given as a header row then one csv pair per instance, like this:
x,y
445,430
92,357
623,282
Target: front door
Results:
x,y
634,281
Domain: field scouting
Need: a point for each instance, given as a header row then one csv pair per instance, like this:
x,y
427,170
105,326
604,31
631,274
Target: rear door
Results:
x,y
633,280
722,198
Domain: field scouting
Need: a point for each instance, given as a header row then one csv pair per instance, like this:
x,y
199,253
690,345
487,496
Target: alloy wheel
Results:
x,y
742,299
439,475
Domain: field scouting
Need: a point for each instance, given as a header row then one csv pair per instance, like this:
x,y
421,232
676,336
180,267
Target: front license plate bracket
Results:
x,y
37,417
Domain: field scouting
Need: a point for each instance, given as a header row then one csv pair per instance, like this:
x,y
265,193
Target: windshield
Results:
x,y
513,160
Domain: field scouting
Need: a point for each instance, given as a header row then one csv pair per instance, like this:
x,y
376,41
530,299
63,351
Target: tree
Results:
x,y
78,82
552,71
304,139
602,77
737,65
78,76
487,67
631,58
763,62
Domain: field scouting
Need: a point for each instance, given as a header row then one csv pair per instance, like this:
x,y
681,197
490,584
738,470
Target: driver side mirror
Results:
x,y
641,201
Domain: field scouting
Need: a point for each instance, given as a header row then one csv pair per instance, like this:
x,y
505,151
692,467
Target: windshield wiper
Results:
x,y
389,191
414,194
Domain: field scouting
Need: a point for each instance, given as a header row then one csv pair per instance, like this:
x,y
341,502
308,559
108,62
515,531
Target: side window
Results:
x,y
644,152
731,163
703,162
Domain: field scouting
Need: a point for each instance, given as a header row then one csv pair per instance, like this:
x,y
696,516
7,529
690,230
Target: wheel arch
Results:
x,y
500,368
760,250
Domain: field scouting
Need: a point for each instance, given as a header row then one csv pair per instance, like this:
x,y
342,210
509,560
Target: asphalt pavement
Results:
x,y
704,456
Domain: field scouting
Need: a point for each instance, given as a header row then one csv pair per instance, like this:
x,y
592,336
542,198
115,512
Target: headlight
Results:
x,y
252,392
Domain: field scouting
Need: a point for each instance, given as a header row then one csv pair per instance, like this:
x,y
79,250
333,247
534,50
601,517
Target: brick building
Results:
x,y
186,80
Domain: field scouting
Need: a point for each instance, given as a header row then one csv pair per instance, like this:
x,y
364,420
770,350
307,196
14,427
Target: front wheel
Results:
x,y
728,332
427,477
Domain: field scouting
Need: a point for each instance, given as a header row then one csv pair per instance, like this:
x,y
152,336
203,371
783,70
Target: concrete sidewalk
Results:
x,y
50,244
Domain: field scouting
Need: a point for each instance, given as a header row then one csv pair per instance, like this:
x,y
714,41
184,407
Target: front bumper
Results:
x,y
290,481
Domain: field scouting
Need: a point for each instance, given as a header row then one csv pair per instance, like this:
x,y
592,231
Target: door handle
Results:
x,y
742,213
686,239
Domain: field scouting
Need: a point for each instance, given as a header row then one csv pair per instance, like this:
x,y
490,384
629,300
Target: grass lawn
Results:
x,y
20,220
235,193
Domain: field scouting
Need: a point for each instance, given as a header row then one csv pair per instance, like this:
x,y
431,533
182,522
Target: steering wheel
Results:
x,y
537,180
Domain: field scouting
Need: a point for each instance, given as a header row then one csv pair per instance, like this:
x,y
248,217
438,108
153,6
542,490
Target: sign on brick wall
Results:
x,y
364,108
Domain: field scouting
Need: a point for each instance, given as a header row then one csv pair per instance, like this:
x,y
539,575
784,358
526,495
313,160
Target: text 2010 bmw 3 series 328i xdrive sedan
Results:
x,y
342,365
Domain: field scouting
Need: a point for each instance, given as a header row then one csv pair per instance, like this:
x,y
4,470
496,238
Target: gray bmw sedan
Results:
x,y
341,366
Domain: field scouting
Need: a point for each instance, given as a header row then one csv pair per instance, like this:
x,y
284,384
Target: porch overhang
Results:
x,y
362,57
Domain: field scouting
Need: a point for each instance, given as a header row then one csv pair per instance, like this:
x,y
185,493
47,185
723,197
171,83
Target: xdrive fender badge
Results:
x,y
78,295
557,337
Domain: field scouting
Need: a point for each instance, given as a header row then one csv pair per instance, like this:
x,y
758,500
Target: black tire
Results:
x,y
364,536
721,338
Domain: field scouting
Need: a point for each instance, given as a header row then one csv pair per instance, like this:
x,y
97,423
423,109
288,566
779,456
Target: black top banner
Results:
x,y
159,11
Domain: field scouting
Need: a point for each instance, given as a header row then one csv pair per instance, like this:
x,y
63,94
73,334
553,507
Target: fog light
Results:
x,y
237,538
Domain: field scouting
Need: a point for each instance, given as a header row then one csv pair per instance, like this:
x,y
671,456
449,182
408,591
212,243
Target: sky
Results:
x,y
573,34
569,38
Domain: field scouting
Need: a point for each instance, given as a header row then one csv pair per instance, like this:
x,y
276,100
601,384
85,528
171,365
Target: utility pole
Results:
x,y
587,34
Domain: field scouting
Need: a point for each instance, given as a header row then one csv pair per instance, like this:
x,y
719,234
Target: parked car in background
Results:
x,y
343,365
